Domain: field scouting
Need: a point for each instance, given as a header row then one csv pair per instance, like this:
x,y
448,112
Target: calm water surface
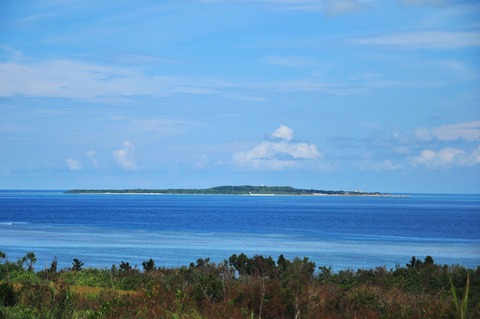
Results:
x,y
174,230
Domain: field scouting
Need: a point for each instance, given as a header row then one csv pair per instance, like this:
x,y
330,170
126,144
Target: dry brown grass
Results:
x,y
86,290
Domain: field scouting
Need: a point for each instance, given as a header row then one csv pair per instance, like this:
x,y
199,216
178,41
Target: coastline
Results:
x,y
246,190
219,194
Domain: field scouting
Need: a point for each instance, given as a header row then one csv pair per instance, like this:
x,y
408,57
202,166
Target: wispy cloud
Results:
x,y
92,155
73,164
424,39
385,165
469,131
80,80
424,2
289,61
460,69
6,51
340,7
74,79
161,125
125,156
276,154
329,7
299,85
202,162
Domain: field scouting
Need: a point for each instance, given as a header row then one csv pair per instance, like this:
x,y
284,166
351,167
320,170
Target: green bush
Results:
x,y
19,312
8,297
87,277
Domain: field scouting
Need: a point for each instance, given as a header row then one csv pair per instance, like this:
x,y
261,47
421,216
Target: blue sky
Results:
x,y
347,94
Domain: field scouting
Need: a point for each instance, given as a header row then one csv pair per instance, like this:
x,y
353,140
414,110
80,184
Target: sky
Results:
x,y
364,95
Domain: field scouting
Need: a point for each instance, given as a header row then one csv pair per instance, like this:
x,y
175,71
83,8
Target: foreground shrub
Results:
x,y
243,287
8,297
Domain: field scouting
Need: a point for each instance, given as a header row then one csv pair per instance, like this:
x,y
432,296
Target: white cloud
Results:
x,y
424,39
447,157
283,132
73,165
444,157
124,156
469,131
277,154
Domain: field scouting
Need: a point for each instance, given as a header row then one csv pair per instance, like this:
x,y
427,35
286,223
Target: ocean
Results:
x,y
174,230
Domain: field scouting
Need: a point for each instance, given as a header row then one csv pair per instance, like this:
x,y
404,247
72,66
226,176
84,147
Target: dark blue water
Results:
x,y
174,230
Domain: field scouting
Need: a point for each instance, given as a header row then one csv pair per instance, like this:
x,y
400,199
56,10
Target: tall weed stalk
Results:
x,y
461,307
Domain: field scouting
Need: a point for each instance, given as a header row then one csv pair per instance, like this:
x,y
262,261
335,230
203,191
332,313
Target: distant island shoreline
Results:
x,y
234,190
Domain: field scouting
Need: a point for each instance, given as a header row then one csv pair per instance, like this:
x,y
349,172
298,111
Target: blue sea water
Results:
x,y
174,230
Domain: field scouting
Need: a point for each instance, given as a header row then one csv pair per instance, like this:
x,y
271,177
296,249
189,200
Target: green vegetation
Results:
x,y
240,287
228,190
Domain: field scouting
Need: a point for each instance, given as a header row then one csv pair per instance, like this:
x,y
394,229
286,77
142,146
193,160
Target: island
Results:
x,y
231,190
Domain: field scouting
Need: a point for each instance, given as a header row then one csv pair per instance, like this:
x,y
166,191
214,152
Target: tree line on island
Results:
x,y
238,287
228,190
